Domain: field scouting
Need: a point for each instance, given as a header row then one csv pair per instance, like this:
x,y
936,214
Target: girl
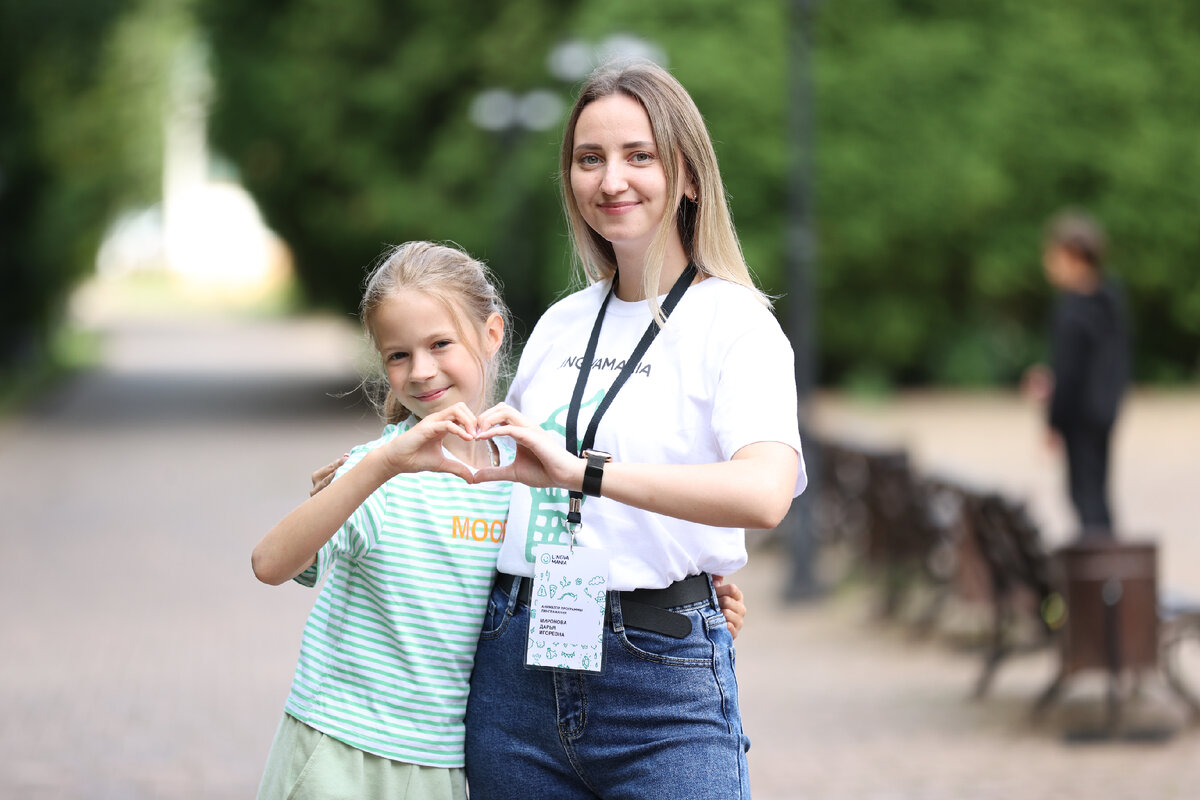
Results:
x,y
679,445
376,707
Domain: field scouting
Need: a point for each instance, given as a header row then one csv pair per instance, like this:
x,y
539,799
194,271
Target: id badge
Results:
x,y
566,608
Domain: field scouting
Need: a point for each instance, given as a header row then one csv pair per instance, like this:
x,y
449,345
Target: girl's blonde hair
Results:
x,y
705,225
462,283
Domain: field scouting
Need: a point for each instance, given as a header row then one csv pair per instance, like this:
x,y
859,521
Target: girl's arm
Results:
x,y
751,490
291,546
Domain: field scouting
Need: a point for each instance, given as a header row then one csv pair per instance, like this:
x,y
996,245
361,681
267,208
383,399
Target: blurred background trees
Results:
x,y
81,93
945,134
949,132
353,126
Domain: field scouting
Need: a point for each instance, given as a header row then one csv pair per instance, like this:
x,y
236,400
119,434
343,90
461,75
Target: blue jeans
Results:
x,y
661,721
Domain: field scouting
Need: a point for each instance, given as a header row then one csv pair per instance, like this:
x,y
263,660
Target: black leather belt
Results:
x,y
645,609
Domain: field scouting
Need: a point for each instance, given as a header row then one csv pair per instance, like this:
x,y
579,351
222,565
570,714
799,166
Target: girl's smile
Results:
x,y
431,362
430,397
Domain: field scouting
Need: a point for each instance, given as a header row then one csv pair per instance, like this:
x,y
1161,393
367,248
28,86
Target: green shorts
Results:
x,y
305,764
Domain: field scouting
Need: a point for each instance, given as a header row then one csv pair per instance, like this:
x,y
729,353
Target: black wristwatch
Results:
x,y
593,473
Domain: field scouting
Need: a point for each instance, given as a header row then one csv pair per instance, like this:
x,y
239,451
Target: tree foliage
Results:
x,y
948,134
80,140
350,122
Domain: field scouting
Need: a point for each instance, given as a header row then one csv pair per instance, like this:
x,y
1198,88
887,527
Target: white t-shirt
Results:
x,y
719,376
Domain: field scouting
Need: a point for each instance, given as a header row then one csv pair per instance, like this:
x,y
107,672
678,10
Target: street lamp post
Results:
x,y
801,319
510,116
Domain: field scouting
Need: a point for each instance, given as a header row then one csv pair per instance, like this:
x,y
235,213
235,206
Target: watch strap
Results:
x,y
593,472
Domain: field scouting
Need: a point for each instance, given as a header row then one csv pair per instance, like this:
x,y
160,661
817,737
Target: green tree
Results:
x,y
80,141
949,132
349,122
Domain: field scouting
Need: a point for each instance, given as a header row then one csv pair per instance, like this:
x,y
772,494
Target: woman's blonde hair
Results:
x,y
463,284
705,225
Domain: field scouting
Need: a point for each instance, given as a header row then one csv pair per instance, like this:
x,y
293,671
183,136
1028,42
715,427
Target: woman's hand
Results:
x,y
324,476
541,461
732,602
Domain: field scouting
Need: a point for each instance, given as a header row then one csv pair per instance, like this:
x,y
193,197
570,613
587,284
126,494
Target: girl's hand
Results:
x,y
419,449
541,461
732,604
324,476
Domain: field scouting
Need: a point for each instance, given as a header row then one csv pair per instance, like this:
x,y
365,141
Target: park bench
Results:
x,y
957,567
1179,623
984,546
841,515
1019,571
1097,599
872,504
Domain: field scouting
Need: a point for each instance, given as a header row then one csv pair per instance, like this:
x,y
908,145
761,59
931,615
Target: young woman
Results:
x,y
677,418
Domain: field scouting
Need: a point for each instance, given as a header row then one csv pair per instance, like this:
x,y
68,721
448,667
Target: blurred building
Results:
x,y
207,231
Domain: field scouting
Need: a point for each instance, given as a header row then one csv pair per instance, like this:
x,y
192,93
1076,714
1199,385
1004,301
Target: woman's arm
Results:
x,y
291,546
751,490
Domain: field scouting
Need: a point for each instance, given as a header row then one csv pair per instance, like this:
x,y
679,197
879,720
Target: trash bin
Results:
x,y
1111,591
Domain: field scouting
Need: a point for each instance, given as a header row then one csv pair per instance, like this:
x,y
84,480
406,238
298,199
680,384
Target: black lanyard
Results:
x,y
589,437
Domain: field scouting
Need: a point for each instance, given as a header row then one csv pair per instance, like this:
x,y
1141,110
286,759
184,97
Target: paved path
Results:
x,y
142,660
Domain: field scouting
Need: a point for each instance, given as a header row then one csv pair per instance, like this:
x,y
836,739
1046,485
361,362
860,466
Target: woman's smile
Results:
x,y
617,209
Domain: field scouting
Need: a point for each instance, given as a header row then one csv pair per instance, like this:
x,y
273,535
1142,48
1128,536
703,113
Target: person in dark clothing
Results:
x,y
1089,362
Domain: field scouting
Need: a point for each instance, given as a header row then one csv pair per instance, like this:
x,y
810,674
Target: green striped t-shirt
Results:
x,y
386,657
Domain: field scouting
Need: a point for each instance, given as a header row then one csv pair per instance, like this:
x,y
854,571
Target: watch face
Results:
x,y
598,454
